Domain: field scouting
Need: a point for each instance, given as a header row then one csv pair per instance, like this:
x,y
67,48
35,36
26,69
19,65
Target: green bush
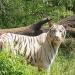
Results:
x,y
17,13
16,65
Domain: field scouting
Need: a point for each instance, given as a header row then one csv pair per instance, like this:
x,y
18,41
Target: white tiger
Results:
x,y
38,50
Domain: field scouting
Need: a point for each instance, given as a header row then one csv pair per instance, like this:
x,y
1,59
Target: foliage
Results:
x,y
17,13
16,65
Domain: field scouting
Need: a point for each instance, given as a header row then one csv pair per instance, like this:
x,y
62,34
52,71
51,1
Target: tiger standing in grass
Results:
x,y
38,50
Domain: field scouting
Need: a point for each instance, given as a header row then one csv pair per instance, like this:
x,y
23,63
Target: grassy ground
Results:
x,y
63,65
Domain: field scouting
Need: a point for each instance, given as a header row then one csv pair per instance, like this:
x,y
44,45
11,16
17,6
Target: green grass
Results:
x,y
16,65
64,63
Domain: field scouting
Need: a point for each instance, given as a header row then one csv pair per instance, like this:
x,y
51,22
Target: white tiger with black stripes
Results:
x,y
38,50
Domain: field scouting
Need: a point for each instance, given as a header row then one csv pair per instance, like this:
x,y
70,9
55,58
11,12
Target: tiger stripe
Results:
x,y
38,50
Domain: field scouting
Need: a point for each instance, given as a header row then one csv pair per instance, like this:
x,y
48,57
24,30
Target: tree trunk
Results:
x,y
69,24
35,29
29,30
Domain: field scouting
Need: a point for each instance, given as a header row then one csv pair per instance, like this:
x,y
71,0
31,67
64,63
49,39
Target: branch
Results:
x,y
29,30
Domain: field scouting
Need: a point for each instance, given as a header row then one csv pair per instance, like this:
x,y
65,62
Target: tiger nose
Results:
x,y
56,37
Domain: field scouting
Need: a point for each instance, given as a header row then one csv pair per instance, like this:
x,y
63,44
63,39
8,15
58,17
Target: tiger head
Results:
x,y
57,32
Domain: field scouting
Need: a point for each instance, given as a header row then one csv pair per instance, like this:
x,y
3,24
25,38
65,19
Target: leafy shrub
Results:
x,y
17,13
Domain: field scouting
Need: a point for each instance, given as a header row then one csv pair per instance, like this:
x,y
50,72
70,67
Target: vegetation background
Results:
x,y
18,13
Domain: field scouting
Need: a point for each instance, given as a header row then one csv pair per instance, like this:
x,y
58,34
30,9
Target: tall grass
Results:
x,y
64,63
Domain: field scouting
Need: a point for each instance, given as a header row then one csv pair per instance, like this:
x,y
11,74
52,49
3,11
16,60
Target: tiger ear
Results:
x,y
49,23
